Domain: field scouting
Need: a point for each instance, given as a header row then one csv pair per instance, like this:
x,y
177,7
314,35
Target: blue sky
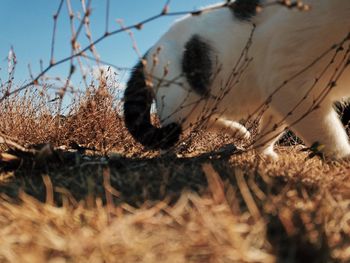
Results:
x,y
27,26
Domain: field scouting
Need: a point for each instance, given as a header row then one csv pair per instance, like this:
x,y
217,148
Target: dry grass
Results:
x,y
101,198
82,190
193,230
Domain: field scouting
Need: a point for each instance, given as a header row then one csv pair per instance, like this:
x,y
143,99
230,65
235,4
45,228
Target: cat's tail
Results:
x,y
138,99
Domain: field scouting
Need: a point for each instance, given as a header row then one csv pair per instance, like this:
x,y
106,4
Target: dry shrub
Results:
x,y
93,120
27,118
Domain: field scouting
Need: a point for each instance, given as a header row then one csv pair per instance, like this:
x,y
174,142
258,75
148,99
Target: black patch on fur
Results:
x,y
244,9
138,99
197,65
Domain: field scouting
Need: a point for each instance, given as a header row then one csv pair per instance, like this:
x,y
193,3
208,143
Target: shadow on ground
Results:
x,y
73,177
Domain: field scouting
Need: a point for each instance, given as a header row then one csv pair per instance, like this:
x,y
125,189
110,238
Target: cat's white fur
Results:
x,y
285,41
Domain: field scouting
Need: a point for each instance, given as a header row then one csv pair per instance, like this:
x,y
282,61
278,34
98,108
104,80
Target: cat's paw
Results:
x,y
240,132
245,135
269,155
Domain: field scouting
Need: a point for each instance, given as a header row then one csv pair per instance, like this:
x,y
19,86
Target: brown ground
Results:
x,y
86,192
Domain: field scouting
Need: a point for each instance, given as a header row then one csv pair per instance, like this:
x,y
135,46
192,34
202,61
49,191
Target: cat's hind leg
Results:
x,y
323,126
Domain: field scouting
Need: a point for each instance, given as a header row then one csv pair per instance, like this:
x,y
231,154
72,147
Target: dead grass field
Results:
x,y
86,192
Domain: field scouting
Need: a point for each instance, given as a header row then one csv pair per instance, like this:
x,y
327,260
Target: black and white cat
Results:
x,y
234,60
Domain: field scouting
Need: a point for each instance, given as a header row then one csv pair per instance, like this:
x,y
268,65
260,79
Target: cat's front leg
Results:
x,y
233,128
270,130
